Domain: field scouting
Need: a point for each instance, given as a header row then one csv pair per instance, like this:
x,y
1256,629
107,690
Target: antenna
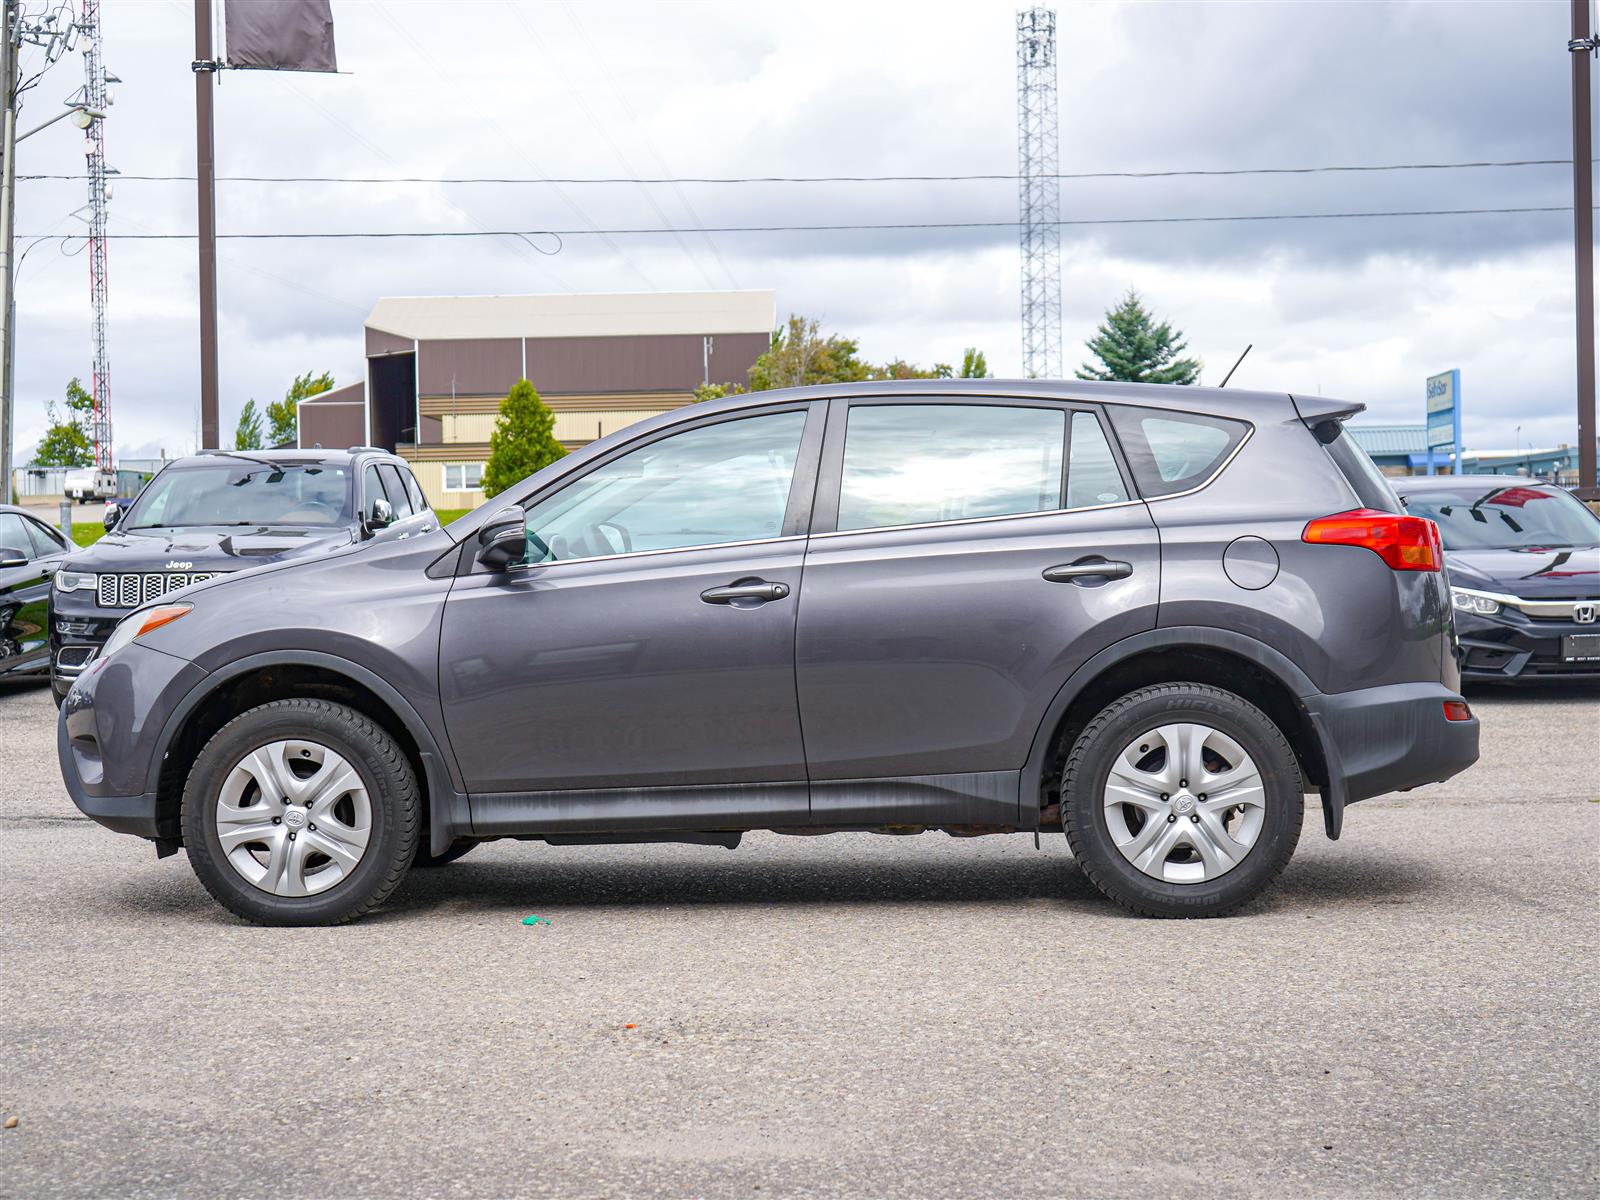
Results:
x,y
94,97
1235,366
1040,207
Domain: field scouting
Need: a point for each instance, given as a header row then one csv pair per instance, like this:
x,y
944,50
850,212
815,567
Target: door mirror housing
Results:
x,y
503,539
381,515
10,556
113,515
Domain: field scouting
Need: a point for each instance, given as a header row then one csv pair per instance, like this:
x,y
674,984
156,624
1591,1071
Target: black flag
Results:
x,y
279,35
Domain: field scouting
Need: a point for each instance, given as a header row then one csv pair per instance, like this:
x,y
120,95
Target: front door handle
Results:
x,y
1088,568
757,590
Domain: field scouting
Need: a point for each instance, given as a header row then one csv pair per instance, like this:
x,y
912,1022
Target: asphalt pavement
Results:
x,y
1411,1011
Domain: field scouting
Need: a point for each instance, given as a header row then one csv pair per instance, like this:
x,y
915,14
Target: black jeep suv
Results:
x,y
218,512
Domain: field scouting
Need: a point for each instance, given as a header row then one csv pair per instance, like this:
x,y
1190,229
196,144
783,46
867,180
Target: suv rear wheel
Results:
x,y
301,812
1182,800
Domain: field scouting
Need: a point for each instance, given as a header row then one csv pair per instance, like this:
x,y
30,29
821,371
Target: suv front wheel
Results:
x,y
1182,800
301,812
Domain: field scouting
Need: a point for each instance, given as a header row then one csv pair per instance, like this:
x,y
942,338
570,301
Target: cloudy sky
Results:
x,y
1363,309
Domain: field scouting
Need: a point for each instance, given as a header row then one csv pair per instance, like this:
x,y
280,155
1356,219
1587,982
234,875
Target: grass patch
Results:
x,y
87,533
446,515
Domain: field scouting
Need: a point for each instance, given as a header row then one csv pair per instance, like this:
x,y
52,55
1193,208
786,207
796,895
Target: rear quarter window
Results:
x,y
1362,474
1170,451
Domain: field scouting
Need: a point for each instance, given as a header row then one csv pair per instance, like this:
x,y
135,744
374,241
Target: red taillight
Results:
x,y
1405,543
1457,710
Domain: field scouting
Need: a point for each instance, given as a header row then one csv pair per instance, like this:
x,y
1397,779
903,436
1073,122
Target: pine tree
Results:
x,y
1131,347
523,440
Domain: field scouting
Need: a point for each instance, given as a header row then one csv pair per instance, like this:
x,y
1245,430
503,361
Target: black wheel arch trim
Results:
x,y
448,813
1274,662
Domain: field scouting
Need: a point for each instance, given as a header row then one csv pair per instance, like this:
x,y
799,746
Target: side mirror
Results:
x,y
12,557
503,539
113,515
381,516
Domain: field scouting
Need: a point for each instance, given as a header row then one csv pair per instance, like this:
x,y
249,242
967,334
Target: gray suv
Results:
x,y
1152,618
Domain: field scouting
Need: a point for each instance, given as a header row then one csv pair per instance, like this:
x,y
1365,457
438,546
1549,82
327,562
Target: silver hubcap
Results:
x,y
293,818
1184,803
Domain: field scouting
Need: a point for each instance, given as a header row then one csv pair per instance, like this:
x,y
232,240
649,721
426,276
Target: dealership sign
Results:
x,y
1444,414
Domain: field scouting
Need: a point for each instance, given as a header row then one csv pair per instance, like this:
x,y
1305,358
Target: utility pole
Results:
x,y
1579,48
8,189
205,66
1040,201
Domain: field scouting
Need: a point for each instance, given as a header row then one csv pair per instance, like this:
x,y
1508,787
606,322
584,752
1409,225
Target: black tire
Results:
x,y
427,860
390,783
1089,764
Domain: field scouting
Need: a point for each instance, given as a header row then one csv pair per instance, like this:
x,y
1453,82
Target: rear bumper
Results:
x,y
1388,739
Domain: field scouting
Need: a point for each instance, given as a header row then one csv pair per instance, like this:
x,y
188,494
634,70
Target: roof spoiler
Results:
x,y
1323,416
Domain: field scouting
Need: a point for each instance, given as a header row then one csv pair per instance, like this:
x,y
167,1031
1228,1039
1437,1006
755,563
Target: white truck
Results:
x,y
90,483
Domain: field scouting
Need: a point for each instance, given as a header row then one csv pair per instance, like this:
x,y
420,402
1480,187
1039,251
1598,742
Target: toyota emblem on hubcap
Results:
x,y
1184,805
294,818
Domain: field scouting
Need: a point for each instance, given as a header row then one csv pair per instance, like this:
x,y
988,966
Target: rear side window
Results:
x,y
1362,474
1174,451
915,464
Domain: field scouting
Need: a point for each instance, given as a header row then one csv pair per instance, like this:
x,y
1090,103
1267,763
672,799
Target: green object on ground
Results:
x,y
87,533
446,515
536,920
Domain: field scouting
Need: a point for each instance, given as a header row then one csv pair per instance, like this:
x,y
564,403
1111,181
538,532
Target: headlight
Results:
x,y
136,625
76,581
1480,603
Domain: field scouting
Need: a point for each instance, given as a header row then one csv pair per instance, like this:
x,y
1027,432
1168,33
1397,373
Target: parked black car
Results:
x,y
1151,618
1524,566
30,553
215,513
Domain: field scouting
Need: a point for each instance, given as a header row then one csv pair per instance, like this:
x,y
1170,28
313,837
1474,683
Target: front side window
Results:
x,y
720,483
235,491
463,477
371,490
1174,451
419,502
14,537
45,540
1092,474
915,464
396,490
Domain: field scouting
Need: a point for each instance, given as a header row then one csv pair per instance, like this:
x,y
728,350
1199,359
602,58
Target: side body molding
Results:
x,y
1189,637
447,805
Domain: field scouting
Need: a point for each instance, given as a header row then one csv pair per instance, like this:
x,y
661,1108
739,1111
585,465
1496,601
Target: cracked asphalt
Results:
x,y
1412,1011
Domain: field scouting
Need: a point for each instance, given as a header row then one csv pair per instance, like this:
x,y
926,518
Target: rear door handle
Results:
x,y
757,590
1088,568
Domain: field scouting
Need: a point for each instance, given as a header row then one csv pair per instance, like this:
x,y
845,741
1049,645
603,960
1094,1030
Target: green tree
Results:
x,y
1131,347
973,364
799,354
248,434
66,442
523,440
283,416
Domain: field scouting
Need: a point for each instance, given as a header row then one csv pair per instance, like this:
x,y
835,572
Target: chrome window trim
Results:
x,y
1045,512
1250,432
564,562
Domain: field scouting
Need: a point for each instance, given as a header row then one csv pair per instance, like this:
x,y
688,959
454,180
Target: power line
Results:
x,y
646,230
581,180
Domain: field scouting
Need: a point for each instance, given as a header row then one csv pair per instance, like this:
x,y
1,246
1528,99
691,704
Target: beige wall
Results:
x,y
431,476
570,426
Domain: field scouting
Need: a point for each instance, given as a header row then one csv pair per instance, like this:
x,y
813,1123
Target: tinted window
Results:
x,y
1092,474
14,535
1174,451
909,464
243,492
1368,483
719,483
396,490
45,541
1476,517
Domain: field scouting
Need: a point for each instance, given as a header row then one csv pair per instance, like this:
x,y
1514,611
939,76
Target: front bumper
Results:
x,y
79,627
1388,739
1510,647
108,733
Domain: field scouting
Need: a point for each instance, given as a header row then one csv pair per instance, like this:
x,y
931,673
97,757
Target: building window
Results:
x,y
463,477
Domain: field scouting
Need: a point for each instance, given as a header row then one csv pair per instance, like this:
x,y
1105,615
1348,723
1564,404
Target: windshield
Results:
x,y
1507,518
242,492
